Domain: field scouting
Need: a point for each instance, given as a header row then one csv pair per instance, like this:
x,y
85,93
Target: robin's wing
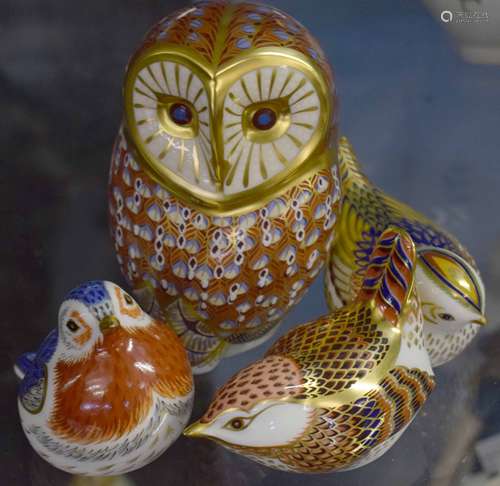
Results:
x,y
33,387
343,354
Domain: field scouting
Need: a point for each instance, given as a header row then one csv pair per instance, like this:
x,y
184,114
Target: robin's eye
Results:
x,y
238,423
181,114
264,119
128,299
72,325
446,317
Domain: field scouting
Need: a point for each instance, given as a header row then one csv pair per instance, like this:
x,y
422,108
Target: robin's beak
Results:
x,y
481,321
109,323
194,430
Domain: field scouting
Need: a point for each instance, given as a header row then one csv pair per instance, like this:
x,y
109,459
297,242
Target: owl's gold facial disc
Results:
x,y
223,134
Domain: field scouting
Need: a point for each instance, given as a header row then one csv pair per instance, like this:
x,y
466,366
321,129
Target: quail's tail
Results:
x,y
390,274
23,364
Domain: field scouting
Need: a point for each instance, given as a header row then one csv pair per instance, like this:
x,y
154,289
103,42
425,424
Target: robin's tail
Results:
x,y
23,364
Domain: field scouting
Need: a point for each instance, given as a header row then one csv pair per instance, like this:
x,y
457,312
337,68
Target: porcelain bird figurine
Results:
x,y
108,390
223,184
337,392
447,279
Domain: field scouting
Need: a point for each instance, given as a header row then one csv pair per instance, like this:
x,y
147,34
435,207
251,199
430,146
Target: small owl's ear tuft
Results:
x,y
389,277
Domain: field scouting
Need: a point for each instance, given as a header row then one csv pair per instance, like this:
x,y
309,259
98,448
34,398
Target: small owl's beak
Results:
x,y
108,323
194,430
481,321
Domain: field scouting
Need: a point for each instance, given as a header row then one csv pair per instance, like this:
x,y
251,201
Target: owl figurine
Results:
x,y
447,278
108,390
223,188
335,393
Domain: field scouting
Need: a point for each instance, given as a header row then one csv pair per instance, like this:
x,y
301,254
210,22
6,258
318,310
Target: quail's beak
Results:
x,y
109,323
194,430
481,321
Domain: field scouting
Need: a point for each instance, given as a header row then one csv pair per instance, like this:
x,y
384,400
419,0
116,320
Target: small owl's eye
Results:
x,y
446,317
238,423
128,299
264,119
181,114
72,325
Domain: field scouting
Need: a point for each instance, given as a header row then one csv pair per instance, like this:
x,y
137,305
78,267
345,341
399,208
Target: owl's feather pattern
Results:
x,y
236,276
220,31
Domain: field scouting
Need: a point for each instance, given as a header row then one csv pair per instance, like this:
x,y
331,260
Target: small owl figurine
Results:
x,y
223,184
335,393
108,390
447,279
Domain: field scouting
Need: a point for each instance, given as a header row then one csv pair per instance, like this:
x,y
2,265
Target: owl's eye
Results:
x,y
238,423
446,317
72,325
128,299
181,114
264,119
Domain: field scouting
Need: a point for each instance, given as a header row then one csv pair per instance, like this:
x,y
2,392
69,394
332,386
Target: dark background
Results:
x,y
424,123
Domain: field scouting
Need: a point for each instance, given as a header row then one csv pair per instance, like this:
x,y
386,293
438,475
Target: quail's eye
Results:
x,y
264,119
128,299
181,114
446,317
72,325
238,423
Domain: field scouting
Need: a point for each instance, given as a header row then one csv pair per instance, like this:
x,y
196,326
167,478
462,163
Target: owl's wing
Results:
x,y
204,349
356,345
33,386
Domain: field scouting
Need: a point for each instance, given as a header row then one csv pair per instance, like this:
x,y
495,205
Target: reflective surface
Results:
x,y
424,123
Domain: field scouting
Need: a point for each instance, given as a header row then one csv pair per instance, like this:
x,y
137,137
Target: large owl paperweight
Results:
x,y
223,189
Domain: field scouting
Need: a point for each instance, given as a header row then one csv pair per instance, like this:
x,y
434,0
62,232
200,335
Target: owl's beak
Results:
x,y
481,321
194,430
109,323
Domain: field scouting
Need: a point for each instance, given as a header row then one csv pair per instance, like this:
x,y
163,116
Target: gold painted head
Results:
x,y
226,104
451,289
